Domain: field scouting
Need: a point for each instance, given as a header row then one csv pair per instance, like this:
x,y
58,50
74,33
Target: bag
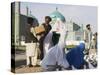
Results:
x,y
39,29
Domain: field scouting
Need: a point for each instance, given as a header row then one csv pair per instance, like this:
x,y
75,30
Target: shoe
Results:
x,y
30,65
36,65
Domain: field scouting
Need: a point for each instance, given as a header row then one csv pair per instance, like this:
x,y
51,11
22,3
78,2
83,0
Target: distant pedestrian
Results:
x,y
87,38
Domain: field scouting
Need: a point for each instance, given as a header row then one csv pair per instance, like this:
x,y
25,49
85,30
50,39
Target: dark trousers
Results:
x,y
41,47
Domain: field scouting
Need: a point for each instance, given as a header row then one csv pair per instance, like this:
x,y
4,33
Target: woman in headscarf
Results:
x,y
52,37
55,56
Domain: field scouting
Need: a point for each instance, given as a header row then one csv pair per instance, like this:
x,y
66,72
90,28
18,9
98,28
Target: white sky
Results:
x,y
79,14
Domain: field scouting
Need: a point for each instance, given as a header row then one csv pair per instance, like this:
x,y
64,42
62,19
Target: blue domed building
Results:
x,y
72,28
57,15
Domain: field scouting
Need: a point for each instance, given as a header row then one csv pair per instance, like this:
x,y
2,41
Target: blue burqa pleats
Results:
x,y
75,56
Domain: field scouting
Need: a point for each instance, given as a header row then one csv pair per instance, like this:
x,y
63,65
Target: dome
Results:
x,y
33,18
56,14
30,15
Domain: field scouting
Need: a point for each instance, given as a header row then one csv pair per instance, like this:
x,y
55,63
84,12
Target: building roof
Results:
x,y
56,14
30,15
76,27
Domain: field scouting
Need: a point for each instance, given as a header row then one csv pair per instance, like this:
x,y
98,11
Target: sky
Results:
x,y
77,13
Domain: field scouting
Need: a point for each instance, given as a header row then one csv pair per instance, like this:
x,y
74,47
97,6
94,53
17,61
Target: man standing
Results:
x,y
47,27
96,39
31,44
87,38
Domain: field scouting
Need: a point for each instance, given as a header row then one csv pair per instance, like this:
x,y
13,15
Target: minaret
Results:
x,y
17,15
56,8
30,12
82,27
27,11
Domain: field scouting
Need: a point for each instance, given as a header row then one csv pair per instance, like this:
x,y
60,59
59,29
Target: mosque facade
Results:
x,y
19,22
